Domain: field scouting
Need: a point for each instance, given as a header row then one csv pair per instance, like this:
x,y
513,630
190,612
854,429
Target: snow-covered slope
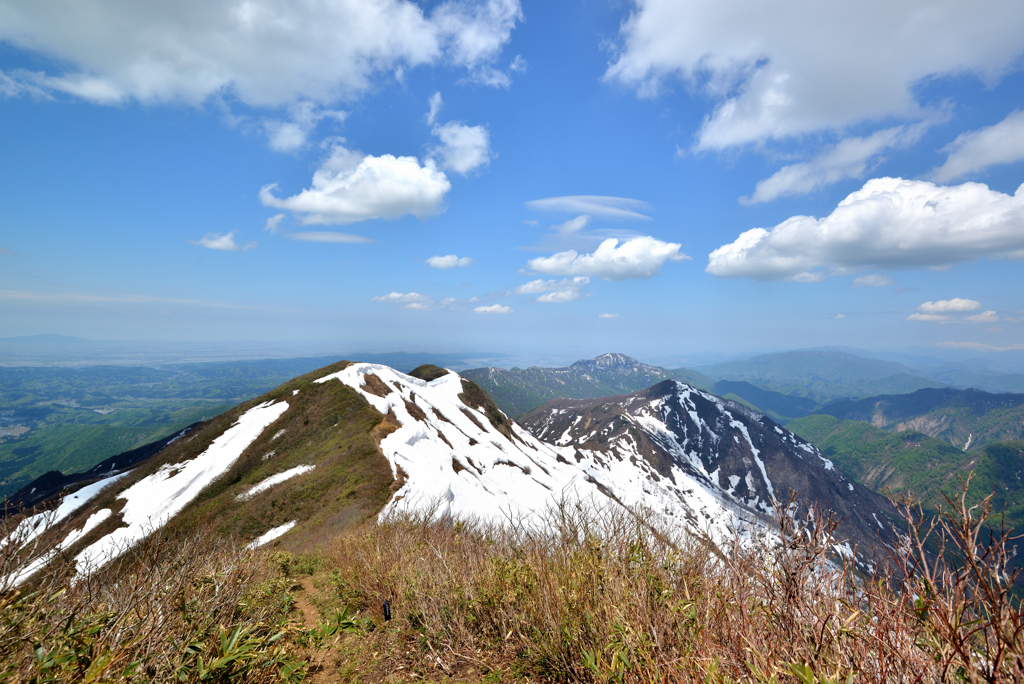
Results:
x,y
356,440
738,456
464,458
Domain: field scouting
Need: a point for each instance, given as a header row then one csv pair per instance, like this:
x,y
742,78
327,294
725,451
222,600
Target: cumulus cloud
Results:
x,y
847,159
463,148
784,69
556,291
350,187
448,261
291,134
607,315
493,309
873,280
889,223
1002,143
328,236
946,310
640,257
222,241
594,205
261,52
955,305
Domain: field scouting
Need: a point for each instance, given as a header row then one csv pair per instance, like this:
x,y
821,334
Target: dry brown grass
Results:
x,y
601,597
193,609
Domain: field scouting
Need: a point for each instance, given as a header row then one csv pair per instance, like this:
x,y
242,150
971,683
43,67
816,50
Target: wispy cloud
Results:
x,y
493,309
607,315
595,205
224,242
328,236
448,261
1001,143
556,291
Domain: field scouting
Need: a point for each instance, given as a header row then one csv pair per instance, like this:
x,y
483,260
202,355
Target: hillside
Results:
x,y
913,462
964,418
350,441
519,391
822,375
596,556
780,407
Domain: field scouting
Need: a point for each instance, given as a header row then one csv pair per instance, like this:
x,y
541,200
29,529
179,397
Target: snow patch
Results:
x,y
269,482
153,500
271,534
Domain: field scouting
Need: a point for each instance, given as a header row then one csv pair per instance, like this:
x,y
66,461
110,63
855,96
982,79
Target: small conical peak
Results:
x,y
609,361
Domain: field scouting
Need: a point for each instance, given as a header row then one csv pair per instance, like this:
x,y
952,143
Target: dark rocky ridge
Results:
x,y
743,456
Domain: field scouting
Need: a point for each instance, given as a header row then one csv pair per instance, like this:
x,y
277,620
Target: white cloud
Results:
x,y
839,317
607,315
448,261
273,223
350,187
573,225
640,257
873,280
463,148
435,103
328,236
940,312
291,134
262,52
595,205
224,242
784,69
944,306
984,317
493,309
847,159
408,300
1002,143
556,291
889,223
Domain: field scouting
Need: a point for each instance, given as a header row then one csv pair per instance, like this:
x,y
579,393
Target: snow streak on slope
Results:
x,y
273,480
456,462
33,526
152,501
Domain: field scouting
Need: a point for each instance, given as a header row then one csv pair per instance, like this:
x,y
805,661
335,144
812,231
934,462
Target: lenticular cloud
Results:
x,y
889,223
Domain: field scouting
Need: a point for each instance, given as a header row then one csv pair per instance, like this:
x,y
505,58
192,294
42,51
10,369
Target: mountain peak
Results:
x,y
610,360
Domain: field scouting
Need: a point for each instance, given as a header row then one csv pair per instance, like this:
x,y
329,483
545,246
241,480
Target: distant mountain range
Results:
x,y
964,418
519,391
822,376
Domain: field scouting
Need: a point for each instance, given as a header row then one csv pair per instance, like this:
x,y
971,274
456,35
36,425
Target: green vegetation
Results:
x,y
911,462
964,418
77,446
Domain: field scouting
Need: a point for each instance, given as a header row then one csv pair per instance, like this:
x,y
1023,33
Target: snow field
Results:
x,y
152,501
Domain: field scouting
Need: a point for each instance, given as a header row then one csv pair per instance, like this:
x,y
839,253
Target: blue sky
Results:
x,y
285,172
